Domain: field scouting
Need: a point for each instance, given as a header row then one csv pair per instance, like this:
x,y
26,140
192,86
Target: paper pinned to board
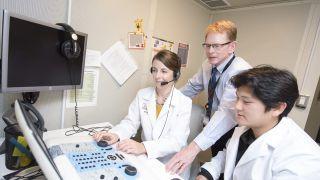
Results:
x,y
93,58
119,62
88,95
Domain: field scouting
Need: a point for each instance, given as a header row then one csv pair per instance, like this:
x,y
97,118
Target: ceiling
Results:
x,y
232,4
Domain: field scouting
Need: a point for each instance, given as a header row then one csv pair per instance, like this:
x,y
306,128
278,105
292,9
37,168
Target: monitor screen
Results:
x,y
32,58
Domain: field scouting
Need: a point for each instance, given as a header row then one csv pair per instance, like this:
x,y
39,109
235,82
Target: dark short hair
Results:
x,y
170,59
270,85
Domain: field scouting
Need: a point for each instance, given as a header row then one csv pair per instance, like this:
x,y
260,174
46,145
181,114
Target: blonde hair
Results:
x,y
223,26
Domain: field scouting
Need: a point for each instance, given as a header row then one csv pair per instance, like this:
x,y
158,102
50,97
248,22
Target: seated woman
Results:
x,y
162,111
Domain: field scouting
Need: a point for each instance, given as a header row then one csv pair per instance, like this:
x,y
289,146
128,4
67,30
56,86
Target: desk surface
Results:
x,y
147,168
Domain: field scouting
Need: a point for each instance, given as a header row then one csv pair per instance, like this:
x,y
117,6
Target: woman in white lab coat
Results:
x,y
162,111
267,145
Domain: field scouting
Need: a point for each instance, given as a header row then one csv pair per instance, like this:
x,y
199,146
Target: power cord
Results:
x,y
92,130
76,109
165,123
26,173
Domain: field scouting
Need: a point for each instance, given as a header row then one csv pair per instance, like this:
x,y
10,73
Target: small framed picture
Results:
x,y
136,41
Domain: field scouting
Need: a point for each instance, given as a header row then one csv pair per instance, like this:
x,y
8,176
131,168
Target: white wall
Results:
x,y
106,22
175,22
49,103
109,21
282,35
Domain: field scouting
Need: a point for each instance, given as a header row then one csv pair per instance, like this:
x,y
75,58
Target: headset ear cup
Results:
x,y
70,48
176,75
66,50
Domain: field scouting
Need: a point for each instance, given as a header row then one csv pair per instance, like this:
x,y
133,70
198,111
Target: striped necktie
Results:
x,y
211,89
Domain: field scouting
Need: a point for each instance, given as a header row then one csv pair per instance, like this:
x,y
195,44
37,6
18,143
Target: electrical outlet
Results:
x,y
302,101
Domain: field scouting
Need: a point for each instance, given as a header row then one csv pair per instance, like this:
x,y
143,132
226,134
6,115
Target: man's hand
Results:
x,y
131,147
200,177
182,159
110,138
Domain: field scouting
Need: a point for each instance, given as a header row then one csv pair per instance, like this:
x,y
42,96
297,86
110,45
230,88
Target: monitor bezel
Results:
x,y
4,64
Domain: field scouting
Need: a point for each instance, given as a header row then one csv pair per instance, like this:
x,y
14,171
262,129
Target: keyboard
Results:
x,y
94,160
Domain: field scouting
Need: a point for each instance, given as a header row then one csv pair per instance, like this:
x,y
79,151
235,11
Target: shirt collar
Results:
x,y
248,137
224,63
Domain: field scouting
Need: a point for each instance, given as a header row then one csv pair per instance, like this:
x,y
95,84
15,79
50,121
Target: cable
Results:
x,y
30,175
76,109
167,113
76,128
91,130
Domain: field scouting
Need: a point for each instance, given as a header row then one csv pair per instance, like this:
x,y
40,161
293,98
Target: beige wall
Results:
x,y
109,21
175,22
106,22
282,35
49,103
313,122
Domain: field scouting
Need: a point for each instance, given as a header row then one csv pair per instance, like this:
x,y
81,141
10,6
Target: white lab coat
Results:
x,y
223,118
173,120
284,152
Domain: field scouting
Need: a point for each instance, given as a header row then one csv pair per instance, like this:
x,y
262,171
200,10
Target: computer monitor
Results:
x,y
32,59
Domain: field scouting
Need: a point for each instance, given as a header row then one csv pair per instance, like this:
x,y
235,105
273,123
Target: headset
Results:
x,y
176,74
70,48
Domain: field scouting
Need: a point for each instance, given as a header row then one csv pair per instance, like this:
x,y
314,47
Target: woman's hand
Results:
x,y
110,138
131,147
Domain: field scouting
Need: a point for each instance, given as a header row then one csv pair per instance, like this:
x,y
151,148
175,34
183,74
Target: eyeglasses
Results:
x,y
214,46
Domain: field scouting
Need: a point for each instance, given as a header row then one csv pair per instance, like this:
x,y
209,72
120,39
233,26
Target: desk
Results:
x,y
147,168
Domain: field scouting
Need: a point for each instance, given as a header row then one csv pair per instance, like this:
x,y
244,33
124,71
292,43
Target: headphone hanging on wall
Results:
x,y
70,48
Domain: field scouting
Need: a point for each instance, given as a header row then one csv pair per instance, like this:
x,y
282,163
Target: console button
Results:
x,y
130,170
102,144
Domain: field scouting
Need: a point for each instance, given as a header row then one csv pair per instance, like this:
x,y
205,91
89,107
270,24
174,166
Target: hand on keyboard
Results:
x,y
110,138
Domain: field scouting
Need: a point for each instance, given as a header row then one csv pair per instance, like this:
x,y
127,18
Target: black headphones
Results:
x,y
70,48
176,75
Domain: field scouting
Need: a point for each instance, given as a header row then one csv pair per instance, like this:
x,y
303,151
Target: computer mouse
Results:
x,y
102,143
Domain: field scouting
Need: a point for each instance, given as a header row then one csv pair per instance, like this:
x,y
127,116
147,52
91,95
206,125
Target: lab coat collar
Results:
x,y
151,96
150,99
261,146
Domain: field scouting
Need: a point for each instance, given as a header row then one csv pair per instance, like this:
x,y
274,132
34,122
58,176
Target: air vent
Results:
x,y
214,4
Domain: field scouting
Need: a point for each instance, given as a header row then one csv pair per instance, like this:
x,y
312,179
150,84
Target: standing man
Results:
x,y
213,77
